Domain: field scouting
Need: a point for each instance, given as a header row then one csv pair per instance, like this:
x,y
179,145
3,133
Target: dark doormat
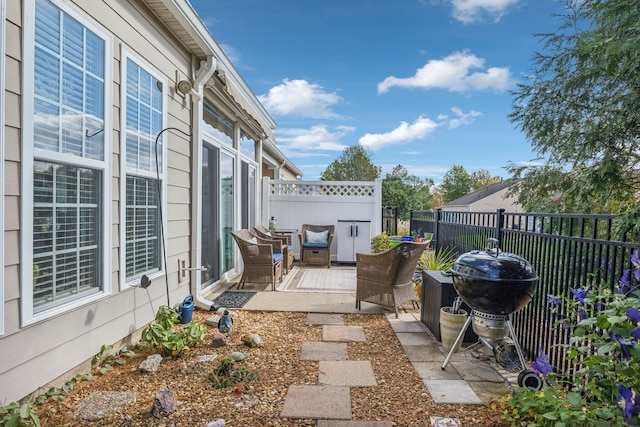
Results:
x,y
233,299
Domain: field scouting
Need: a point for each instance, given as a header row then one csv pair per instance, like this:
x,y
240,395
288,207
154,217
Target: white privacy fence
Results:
x,y
293,203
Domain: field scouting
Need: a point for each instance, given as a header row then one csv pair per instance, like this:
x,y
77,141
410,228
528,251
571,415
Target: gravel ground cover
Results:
x,y
400,396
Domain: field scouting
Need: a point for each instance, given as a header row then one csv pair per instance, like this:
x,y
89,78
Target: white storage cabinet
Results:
x,y
352,236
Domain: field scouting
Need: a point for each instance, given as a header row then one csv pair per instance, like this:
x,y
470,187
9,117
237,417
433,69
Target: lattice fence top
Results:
x,y
341,189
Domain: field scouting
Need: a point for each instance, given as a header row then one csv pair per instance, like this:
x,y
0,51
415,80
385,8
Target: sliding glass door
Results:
x,y
217,212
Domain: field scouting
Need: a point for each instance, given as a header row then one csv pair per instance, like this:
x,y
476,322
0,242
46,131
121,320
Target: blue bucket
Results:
x,y
407,239
185,309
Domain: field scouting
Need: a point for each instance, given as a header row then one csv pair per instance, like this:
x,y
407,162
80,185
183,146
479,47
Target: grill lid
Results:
x,y
493,265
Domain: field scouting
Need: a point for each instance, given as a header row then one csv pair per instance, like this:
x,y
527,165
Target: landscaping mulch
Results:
x,y
400,397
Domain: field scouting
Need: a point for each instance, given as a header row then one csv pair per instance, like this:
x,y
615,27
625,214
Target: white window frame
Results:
x,y
3,37
128,53
27,191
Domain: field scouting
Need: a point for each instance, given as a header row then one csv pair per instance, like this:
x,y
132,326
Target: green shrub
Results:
x,y
380,243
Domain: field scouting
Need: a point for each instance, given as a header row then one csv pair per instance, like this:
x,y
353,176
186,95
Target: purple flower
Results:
x,y
627,402
635,333
625,282
582,314
579,295
553,299
635,259
511,389
624,342
633,314
542,365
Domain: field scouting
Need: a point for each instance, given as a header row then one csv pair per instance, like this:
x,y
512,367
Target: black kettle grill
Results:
x,y
495,284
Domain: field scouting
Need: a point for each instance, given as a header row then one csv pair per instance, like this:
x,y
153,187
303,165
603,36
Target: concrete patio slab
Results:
x,y
411,326
452,391
343,333
317,402
433,371
353,373
477,371
324,319
314,350
334,423
424,353
414,338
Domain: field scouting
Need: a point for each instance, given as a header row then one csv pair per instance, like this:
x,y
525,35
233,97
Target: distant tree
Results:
x,y
456,183
405,191
482,178
581,112
354,164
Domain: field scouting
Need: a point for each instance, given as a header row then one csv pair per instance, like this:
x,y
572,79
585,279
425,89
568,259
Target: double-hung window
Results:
x,y
143,153
66,162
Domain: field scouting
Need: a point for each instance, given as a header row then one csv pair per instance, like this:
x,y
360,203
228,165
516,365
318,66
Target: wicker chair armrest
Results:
x,y
276,244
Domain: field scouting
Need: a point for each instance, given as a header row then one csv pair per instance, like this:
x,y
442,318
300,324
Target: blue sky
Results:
x,y
419,83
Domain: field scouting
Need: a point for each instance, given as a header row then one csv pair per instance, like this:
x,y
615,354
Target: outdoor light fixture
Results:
x,y
184,87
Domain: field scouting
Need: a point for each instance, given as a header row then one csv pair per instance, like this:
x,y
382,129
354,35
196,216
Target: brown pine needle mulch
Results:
x,y
400,397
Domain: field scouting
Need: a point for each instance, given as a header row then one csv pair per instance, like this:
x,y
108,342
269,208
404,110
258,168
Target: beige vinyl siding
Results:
x,y
53,347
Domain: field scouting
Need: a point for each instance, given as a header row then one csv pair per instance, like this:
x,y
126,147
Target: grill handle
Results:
x,y
495,251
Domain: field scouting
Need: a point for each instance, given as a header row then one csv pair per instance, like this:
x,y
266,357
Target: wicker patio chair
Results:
x,y
262,261
386,278
287,247
312,251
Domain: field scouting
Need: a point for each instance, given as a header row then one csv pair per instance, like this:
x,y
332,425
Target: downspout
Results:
x,y
202,75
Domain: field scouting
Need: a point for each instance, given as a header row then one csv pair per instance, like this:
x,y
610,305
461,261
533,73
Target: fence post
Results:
x,y
499,225
436,229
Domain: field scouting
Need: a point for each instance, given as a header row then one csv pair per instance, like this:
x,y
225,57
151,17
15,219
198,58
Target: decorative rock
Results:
x,y
151,363
217,423
252,340
207,358
238,357
219,340
164,403
213,321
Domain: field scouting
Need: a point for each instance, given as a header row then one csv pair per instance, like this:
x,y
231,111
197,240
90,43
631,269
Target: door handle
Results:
x,y
356,231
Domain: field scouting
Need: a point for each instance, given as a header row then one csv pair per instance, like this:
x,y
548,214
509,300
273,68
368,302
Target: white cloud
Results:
x,y
469,11
319,137
301,98
461,118
419,129
454,74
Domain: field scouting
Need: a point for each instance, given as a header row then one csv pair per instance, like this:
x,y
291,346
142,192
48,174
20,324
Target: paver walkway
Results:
x,y
464,381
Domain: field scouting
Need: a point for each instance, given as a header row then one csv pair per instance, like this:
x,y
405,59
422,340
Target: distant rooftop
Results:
x,y
480,193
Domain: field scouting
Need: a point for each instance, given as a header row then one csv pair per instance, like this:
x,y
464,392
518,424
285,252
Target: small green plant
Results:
x,y
18,415
380,243
443,260
604,346
101,362
227,374
161,337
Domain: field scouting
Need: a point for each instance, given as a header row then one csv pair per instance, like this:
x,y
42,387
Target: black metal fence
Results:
x,y
566,250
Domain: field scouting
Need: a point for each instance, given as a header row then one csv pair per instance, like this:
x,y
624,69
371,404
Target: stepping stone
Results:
x,y
424,353
414,338
403,317
433,371
317,402
333,423
488,392
314,350
343,333
353,373
324,319
452,391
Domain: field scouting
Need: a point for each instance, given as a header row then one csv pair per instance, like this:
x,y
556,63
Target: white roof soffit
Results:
x,y
186,25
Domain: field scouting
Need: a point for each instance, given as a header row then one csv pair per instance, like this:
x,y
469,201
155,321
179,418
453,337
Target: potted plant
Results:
x,y
430,260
